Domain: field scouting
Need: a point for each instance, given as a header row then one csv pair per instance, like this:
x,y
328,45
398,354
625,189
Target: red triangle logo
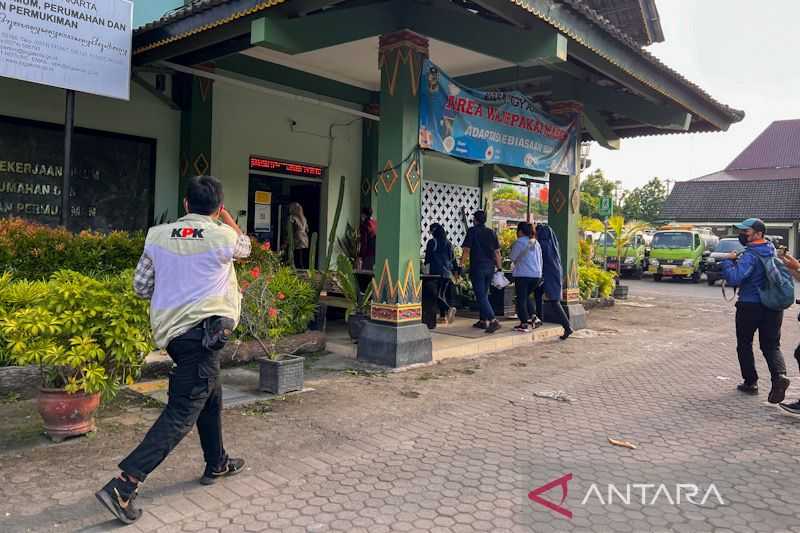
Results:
x,y
535,495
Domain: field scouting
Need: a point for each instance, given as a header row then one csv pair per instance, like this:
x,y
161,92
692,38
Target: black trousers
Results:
x,y
561,315
301,258
195,397
752,317
443,295
524,287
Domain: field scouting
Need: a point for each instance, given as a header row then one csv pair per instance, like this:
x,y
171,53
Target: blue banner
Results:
x,y
494,127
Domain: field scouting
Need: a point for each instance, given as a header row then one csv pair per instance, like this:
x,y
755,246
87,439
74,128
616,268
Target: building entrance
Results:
x,y
268,208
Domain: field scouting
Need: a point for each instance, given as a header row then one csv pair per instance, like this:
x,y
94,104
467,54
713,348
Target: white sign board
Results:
x,y
262,220
84,45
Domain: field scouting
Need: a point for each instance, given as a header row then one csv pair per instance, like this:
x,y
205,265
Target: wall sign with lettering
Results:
x,y
286,168
113,176
83,45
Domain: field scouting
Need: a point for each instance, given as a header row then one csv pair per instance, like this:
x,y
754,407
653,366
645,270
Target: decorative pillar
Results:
x,y
195,96
563,214
395,335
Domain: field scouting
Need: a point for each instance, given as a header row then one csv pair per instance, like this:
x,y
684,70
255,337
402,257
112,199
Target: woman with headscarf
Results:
x,y
298,225
552,277
439,257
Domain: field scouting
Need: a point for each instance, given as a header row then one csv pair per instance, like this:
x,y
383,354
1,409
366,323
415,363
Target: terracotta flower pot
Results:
x,y
67,415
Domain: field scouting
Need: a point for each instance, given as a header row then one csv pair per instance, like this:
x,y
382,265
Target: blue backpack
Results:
x,y
778,290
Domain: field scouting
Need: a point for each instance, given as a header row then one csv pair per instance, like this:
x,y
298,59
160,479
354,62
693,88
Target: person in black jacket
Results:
x,y
439,257
483,250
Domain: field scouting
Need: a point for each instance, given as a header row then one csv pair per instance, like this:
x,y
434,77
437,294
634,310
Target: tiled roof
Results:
x,y
595,17
198,6
191,8
778,146
637,18
695,201
753,174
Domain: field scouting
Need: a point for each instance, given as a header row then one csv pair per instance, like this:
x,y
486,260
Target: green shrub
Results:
x,y
590,276
275,302
85,334
262,259
34,251
295,300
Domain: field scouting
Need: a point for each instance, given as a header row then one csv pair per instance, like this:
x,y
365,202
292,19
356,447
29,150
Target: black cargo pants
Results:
x,y
752,317
195,397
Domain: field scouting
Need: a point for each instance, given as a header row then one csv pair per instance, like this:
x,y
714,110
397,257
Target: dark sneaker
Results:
x,y
231,468
537,323
117,496
480,324
747,388
493,326
567,333
523,328
791,408
778,392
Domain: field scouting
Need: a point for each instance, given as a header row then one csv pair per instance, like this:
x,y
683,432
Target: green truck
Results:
x,y
678,253
632,260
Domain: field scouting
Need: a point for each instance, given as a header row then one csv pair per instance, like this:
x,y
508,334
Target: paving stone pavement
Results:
x,y
471,465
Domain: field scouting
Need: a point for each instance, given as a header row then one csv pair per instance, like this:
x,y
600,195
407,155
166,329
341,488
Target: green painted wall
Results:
x,y
144,116
448,170
248,122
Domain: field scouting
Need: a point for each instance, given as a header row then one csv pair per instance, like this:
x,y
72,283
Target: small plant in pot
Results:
x,y
87,336
357,310
263,322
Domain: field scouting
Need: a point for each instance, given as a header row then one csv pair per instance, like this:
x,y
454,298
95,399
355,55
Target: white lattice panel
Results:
x,y
443,203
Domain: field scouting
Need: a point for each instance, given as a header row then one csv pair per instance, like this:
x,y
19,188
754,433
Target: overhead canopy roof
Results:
x,y
637,18
551,50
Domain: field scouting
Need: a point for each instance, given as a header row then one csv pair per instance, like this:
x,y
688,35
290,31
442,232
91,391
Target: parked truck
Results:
x,y
632,260
677,252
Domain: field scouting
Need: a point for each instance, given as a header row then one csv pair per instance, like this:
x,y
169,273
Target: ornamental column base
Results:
x,y
575,312
395,345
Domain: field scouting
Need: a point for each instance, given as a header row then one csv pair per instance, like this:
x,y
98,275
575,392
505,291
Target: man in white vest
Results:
x,y
187,272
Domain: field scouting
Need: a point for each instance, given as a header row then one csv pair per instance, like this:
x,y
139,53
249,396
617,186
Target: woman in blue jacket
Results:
x,y
527,257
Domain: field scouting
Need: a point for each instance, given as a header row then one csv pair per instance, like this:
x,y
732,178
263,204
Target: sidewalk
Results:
x,y
458,446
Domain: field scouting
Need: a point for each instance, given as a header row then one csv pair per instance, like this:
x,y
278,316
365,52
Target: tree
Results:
x,y
645,203
594,187
624,233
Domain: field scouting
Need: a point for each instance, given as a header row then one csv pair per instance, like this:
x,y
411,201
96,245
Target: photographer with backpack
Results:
x,y
756,273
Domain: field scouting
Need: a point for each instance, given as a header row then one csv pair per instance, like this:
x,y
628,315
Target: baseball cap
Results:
x,y
756,224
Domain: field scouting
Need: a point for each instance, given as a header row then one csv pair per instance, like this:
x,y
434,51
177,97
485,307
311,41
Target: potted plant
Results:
x,y
358,301
263,322
87,336
349,243
624,233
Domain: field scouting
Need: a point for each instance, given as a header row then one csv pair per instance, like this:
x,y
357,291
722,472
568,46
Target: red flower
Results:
x,y
266,246
281,296
273,313
255,272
